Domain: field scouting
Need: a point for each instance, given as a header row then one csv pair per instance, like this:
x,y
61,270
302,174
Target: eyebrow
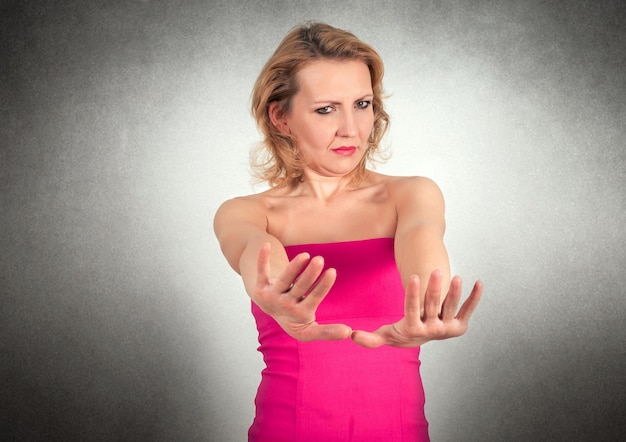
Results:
x,y
363,97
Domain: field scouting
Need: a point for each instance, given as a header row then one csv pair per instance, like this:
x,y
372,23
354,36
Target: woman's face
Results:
x,y
331,116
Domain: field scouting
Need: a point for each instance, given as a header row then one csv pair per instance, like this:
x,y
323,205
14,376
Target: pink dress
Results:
x,y
336,391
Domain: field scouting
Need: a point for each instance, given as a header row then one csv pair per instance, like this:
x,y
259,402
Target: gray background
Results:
x,y
125,124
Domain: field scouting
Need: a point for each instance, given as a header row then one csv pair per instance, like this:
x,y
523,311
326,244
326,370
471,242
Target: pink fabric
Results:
x,y
337,391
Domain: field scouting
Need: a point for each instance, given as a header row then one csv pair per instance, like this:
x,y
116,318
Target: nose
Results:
x,y
347,125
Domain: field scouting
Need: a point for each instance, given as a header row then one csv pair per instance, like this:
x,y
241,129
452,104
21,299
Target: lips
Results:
x,y
345,150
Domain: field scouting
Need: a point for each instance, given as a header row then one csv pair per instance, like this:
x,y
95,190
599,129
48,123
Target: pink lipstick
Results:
x,y
345,150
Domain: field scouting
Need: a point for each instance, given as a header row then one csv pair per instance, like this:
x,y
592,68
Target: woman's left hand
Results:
x,y
435,321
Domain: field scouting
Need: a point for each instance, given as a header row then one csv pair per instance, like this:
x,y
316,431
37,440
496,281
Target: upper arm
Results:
x,y
236,222
419,246
419,203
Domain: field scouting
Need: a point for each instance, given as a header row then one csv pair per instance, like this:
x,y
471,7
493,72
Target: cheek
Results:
x,y
311,136
367,124
321,130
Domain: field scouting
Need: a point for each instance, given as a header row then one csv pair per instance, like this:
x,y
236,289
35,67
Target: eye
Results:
x,y
324,110
363,104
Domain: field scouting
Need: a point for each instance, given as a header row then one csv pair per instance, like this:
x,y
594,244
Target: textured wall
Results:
x,y
125,124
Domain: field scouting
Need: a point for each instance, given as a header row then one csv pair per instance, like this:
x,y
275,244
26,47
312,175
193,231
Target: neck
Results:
x,y
324,187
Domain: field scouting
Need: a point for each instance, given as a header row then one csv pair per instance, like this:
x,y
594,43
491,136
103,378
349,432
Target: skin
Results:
x,y
332,109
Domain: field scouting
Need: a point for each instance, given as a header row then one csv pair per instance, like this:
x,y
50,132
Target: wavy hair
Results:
x,y
276,160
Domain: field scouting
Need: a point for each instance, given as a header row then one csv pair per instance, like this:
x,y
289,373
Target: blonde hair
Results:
x,y
276,160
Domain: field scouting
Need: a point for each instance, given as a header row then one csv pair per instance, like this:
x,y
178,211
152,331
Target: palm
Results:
x,y
433,321
292,298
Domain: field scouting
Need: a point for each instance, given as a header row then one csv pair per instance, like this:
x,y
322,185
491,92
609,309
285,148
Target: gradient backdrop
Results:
x,y
124,124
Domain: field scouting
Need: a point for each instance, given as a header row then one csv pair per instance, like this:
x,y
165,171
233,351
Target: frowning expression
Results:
x,y
331,115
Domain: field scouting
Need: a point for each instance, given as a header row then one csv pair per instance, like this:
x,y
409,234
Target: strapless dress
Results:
x,y
338,391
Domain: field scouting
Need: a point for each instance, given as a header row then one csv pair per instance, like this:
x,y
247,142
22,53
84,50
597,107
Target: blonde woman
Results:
x,y
346,268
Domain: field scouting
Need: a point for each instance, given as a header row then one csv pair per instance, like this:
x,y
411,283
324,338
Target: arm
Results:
x,y
241,229
289,292
419,246
422,256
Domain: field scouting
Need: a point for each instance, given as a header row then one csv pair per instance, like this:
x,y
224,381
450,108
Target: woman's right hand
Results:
x,y
293,296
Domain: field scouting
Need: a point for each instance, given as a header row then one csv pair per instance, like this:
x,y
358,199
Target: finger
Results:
x,y
306,280
285,281
451,303
471,302
317,293
263,265
367,339
412,307
325,332
433,295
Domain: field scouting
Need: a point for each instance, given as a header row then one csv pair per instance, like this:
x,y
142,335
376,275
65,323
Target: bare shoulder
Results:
x,y
412,188
418,200
241,203
240,211
236,222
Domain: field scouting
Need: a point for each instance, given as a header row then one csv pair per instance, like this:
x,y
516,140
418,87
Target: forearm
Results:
x,y
249,260
419,251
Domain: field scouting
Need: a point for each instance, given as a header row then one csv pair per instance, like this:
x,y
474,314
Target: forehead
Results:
x,y
337,78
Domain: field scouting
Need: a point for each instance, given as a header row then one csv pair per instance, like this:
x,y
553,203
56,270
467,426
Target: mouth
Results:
x,y
345,150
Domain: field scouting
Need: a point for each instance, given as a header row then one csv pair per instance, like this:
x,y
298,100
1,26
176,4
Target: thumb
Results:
x,y
367,339
326,332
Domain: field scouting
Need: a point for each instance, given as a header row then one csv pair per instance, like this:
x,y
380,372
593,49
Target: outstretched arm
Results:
x,y
421,256
288,291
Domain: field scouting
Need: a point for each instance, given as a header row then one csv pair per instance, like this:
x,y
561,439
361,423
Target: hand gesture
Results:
x,y
293,297
432,322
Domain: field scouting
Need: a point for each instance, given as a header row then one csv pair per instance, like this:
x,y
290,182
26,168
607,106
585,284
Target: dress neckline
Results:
x,y
356,241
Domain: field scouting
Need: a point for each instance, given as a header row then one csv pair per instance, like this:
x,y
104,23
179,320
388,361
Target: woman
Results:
x,y
334,256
